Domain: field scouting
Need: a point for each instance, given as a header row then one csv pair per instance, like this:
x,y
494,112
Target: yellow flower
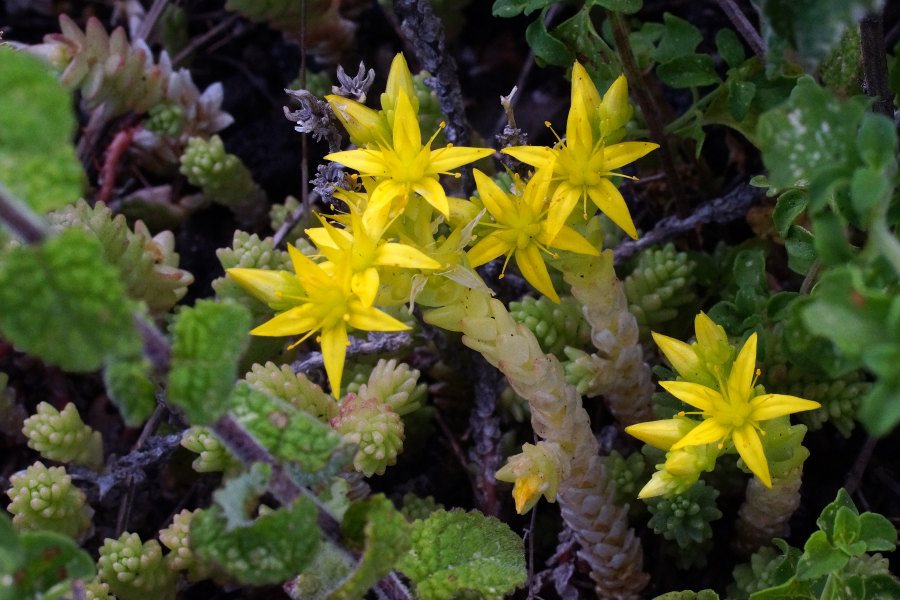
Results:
x,y
733,412
534,473
361,249
403,165
585,160
697,362
320,303
521,229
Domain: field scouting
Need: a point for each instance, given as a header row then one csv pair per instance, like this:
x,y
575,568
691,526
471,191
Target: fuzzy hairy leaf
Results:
x,y
208,340
457,551
36,562
62,302
272,549
385,534
287,433
128,385
37,158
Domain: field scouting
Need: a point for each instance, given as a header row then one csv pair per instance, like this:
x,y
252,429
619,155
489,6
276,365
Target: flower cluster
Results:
x,y
403,239
731,406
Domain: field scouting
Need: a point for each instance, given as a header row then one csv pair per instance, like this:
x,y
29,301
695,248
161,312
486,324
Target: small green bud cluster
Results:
x,y
279,213
135,570
394,384
214,456
416,507
62,436
248,251
97,590
165,119
176,537
759,574
660,285
44,498
293,388
555,325
375,428
686,520
627,473
839,396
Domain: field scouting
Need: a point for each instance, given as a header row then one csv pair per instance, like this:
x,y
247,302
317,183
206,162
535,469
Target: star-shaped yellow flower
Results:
x,y
362,250
734,413
585,160
521,229
404,165
320,302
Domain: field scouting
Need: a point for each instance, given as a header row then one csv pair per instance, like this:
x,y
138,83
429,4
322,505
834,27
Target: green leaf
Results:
x,y
287,433
679,39
62,302
547,48
457,551
37,159
828,518
801,249
45,561
877,532
846,530
812,27
627,7
870,190
877,140
512,8
128,385
880,587
819,558
238,496
880,409
830,239
692,70
207,343
740,97
750,269
788,207
578,32
730,48
384,533
274,548
810,134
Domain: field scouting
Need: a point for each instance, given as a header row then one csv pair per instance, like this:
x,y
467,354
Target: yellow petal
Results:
x,y
655,487
748,445
369,318
578,128
698,396
365,285
741,376
571,240
707,432
362,123
661,434
531,265
266,286
619,155
770,406
494,199
393,254
526,492
334,351
680,355
399,81
434,194
308,272
407,136
535,194
489,248
294,321
380,202
321,237
444,160
609,200
562,203
366,161
583,88
536,156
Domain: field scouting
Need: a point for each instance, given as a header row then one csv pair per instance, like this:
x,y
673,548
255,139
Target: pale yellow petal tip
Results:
x,y
526,493
655,487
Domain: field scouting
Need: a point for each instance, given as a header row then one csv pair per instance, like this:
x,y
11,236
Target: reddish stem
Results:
x,y
114,153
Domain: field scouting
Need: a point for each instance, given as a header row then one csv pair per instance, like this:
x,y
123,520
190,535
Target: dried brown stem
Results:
x,y
20,219
874,59
744,26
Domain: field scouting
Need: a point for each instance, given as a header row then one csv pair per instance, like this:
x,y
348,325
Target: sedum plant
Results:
x,y
44,498
135,570
62,436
